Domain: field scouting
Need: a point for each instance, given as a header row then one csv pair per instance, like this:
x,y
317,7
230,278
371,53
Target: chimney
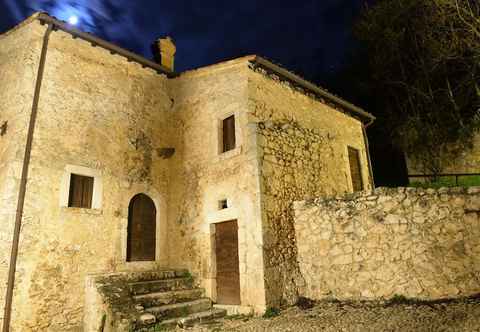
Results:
x,y
164,52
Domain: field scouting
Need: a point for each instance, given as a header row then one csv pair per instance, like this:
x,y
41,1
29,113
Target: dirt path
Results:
x,y
462,315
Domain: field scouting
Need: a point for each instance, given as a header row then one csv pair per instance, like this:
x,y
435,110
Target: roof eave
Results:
x,y
356,111
95,41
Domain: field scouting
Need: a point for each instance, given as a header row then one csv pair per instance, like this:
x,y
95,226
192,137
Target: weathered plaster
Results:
x,y
19,56
205,176
99,112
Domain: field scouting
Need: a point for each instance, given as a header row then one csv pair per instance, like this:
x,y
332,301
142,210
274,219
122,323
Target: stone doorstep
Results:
x,y
140,276
165,285
161,298
195,318
233,310
180,309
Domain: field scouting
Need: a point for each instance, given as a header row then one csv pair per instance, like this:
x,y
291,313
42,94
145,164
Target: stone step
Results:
x,y
165,285
179,309
161,298
192,319
140,276
158,275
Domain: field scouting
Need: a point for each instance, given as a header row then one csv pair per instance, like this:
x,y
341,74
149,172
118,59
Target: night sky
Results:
x,y
310,37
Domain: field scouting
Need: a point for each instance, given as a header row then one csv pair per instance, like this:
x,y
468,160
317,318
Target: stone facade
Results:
x,y
412,242
103,116
19,55
204,176
97,112
303,154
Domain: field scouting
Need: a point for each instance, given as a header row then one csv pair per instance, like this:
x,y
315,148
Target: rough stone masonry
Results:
x,y
109,119
419,243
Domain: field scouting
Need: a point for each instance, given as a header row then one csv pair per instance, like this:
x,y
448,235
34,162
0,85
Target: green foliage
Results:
x,y
425,67
305,303
154,328
184,311
239,317
399,299
102,323
271,312
187,275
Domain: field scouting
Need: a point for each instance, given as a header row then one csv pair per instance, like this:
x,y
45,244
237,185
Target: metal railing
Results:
x,y
436,177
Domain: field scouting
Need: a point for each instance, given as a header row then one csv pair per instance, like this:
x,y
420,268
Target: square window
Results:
x,y
355,169
222,204
228,134
81,191
3,128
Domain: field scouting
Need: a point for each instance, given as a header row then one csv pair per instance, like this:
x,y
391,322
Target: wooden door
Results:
x,y
355,169
141,238
228,274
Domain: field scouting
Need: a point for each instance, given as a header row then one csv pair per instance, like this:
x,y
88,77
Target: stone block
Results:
x,y
473,203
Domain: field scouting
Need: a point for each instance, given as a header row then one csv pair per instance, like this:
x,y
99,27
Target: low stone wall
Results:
x,y
412,242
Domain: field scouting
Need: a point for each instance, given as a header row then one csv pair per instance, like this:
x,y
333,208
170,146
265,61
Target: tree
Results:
x,y
424,59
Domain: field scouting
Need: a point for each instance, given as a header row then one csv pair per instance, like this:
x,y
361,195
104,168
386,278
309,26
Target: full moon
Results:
x,y
73,20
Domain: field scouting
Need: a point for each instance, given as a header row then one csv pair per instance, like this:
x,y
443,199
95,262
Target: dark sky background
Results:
x,y
309,37
312,38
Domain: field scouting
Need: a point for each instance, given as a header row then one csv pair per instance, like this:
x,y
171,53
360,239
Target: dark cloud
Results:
x,y
309,36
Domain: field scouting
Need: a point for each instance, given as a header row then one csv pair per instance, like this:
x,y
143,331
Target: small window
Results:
x,y
228,134
355,169
222,204
81,191
3,128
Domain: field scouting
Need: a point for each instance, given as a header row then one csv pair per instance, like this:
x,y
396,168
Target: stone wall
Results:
x,y
99,112
412,242
204,175
293,140
19,56
303,154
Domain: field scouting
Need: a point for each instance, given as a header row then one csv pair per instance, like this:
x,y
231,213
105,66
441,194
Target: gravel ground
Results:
x,y
459,315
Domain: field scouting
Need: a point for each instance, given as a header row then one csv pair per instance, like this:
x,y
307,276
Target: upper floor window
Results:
x,y
81,191
228,133
355,169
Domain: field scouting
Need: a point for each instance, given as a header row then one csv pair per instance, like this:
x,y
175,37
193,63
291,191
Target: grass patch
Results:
x,y
305,303
184,312
188,276
271,312
154,328
241,317
400,299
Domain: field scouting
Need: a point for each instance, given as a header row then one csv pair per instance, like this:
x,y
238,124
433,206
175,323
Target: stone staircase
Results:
x,y
153,301
167,303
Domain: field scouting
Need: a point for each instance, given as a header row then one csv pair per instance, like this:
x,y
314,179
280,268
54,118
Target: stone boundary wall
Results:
x,y
419,243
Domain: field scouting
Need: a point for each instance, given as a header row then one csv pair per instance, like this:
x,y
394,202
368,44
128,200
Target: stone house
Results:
x,y
135,168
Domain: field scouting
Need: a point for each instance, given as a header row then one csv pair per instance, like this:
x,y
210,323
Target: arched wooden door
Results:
x,y
141,238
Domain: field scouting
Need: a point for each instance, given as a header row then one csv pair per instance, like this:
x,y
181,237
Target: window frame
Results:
x,y
360,170
79,196
223,144
82,171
